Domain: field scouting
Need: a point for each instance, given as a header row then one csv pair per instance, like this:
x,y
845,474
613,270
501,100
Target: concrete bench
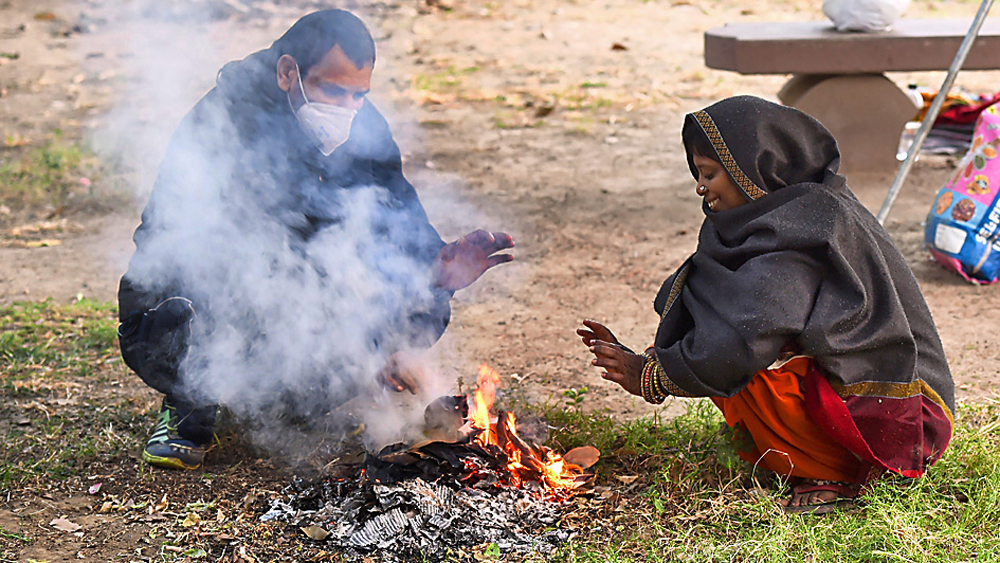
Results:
x,y
838,77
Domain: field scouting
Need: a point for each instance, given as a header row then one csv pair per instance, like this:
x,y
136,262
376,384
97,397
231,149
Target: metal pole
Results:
x,y
932,113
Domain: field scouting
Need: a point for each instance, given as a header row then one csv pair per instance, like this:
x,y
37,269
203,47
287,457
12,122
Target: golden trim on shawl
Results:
x,y
664,381
893,391
675,289
753,191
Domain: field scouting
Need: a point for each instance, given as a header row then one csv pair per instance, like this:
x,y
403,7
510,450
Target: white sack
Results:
x,y
864,15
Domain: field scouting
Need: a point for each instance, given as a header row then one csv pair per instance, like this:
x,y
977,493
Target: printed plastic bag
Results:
x,y
962,227
864,15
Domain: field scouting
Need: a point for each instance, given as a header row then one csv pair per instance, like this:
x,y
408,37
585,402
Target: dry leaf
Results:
x,y
43,242
315,533
544,111
191,520
627,479
14,140
584,456
45,16
64,525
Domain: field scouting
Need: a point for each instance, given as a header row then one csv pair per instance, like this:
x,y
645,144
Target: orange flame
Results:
x,y
524,461
485,396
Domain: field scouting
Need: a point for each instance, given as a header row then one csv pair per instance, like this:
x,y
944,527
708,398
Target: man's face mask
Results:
x,y
328,125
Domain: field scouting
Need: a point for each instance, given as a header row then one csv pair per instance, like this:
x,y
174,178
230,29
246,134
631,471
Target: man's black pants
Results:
x,y
153,344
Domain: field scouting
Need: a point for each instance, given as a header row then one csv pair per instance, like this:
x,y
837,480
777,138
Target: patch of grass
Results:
x,y
694,501
52,360
56,338
13,536
585,101
448,79
60,445
55,174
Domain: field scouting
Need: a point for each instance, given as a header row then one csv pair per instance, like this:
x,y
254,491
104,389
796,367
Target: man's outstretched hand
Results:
x,y
462,262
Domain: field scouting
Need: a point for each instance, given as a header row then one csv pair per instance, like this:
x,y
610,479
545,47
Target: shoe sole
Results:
x,y
166,462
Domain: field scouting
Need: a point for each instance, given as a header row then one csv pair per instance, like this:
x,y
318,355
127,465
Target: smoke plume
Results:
x,y
287,326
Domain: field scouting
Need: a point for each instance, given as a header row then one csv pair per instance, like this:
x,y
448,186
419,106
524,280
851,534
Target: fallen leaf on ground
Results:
x,y
584,456
191,520
544,111
64,525
42,243
627,479
14,140
315,533
45,16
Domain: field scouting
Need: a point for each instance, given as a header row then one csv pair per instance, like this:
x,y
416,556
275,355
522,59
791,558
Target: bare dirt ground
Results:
x,y
555,121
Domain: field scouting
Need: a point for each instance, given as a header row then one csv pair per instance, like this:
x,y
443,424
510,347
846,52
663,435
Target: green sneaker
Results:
x,y
167,448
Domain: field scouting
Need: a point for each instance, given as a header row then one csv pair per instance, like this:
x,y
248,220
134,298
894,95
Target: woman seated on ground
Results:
x,y
796,314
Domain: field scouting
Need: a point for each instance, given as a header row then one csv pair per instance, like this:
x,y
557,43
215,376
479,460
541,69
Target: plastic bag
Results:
x,y
963,226
864,15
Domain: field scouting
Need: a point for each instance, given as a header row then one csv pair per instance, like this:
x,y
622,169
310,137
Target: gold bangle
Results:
x,y
663,384
650,393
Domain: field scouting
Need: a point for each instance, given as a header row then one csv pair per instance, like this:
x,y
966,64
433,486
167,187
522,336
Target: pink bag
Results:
x,y
962,227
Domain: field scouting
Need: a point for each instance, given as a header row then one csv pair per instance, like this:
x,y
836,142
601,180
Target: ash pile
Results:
x,y
442,499
419,520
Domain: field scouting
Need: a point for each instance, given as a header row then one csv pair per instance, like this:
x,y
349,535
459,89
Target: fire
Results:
x,y
524,461
485,396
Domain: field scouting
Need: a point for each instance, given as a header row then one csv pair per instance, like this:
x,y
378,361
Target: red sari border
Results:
x,y
880,429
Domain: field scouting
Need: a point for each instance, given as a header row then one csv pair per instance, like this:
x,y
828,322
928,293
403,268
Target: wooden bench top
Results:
x,y
816,47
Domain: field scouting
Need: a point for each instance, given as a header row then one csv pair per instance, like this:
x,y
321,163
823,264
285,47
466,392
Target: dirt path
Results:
x,y
556,121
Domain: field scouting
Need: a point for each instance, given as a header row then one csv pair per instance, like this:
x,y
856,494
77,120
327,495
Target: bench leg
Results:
x,y
865,112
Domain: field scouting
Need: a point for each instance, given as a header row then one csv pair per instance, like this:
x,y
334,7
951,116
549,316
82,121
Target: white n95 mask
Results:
x,y
328,125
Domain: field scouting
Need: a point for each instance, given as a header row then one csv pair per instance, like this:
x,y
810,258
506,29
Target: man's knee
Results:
x,y
154,342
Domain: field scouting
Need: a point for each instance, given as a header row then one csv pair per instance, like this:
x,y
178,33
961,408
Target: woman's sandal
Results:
x,y
846,493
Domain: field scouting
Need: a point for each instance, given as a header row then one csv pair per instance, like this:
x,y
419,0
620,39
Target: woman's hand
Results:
x,y
596,331
460,263
621,365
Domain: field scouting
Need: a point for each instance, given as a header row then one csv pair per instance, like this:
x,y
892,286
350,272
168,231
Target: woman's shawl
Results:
x,y
804,263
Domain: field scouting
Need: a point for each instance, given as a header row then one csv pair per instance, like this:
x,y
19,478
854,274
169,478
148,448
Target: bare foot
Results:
x,y
815,496
810,499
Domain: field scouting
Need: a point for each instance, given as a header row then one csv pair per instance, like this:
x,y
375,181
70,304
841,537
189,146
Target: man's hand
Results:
x,y
462,262
403,372
621,365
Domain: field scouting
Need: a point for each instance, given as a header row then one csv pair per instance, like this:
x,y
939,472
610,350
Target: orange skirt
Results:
x,y
772,410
